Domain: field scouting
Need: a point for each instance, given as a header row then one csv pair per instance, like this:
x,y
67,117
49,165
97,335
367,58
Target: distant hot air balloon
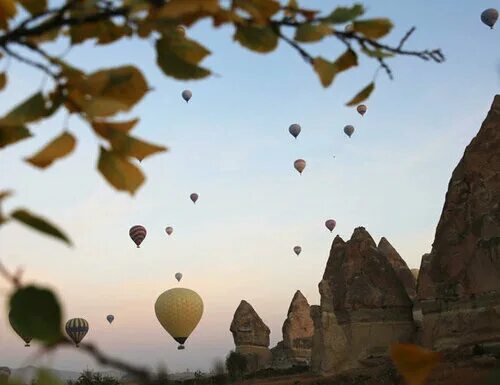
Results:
x,y
194,197
349,130
300,165
169,230
110,318
297,249
349,28
294,129
76,329
361,109
137,234
186,95
330,224
181,30
178,276
25,338
489,17
179,310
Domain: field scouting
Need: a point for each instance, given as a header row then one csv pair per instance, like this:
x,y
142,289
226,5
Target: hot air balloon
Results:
x,y
179,310
349,130
297,249
181,30
76,329
361,109
110,318
194,197
489,17
26,339
300,165
137,234
294,129
186,95
169,230
330,224
178,276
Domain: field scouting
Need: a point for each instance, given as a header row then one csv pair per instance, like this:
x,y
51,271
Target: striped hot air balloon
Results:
x,y
25,338
137,234
76,329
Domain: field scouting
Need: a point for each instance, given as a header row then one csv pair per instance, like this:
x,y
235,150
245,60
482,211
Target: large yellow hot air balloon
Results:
x,y
179,310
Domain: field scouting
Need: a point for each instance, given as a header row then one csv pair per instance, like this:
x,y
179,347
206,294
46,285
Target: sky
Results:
x,y
231,145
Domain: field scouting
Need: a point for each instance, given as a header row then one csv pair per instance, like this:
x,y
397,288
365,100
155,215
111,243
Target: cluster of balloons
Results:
x,y
489,17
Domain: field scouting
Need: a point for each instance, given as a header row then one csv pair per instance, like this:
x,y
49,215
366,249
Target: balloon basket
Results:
x,y
181,347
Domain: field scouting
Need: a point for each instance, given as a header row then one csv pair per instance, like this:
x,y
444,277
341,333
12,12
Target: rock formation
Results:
x,y
251,337
363,300
298,330
399,266
415,273
459,281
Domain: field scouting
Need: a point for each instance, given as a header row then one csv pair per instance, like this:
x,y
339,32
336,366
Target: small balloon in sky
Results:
x,y
178,276
294,129
330,224
186,95
194,197
297,249
361,109
76,329
489,17
137,234
300,165
169,230
110,318
349,130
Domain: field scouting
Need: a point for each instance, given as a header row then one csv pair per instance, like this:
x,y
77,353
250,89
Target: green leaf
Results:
x,y
178,9
377,53
179,58
260,10
3,80
47,377
362,95
257,38
347,60
326,70
34,6
40,224
56,149
13,134
344,14
32,109
373,28
119,172
307,33
36,313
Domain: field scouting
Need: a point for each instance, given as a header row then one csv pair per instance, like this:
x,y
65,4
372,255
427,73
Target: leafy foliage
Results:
x,y
89,377
236,365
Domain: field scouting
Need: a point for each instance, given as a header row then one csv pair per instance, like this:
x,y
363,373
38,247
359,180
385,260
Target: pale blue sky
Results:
x,y
230,144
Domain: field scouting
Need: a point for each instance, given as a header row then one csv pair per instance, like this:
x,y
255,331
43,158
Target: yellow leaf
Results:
x,y
307,33
373,28
177,9
3,80
31,110
56,149
119,172
257,38
45,37
326,70
40,224
260,10
347,60
34,6
179,58
414,363
125,127
344,14
12,134
7,11
361,95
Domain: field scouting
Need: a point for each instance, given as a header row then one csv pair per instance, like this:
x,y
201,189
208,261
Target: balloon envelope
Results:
x,y
25,338
294,129
178,276
489,17
169,230
300,165
110,318
349,130
297,249
186,95
194,197
179,311
330,224
361,109
76,329
137,234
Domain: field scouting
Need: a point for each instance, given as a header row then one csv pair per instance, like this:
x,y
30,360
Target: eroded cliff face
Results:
x,y
459,281
362,299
